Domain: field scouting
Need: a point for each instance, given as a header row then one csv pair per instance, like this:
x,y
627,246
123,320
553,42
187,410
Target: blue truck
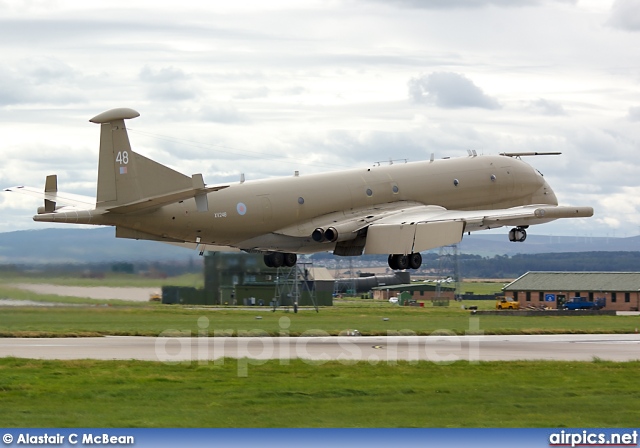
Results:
x,y
580,303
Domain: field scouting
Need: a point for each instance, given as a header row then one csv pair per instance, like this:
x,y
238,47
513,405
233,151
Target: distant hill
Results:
x,y
100,245
49,246
491,244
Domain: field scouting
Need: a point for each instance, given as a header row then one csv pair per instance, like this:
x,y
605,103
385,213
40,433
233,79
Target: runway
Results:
x,y
348,349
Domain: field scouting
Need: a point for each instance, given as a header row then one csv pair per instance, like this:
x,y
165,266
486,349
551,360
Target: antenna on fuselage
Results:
x,y
433,156
520,154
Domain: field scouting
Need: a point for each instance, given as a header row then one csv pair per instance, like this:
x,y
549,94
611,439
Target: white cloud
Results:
x,y
625,15
222,114
266,88
40,80
455,4
546,107
634,113
168,83
257,92
449,91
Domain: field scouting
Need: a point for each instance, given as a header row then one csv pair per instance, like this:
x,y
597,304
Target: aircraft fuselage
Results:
x,y
399,209
247,210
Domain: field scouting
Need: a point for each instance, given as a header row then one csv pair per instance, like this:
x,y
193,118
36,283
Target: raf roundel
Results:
x,y
241,208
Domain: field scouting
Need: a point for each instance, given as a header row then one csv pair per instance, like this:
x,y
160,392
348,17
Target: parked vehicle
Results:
x,y
504,303
581,303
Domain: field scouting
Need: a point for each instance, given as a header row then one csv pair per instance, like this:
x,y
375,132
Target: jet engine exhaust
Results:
x,y
318,235
331,234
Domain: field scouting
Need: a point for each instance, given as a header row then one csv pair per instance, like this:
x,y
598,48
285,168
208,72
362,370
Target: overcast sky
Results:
x,y
269,87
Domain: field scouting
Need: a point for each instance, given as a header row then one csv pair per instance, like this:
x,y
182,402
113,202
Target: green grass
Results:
x,y
85,393
85,317
295,393
155,319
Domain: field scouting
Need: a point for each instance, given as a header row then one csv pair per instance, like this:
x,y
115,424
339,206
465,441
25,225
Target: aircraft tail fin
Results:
x,y
125,177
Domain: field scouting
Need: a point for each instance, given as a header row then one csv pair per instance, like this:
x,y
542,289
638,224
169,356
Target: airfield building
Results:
x,y
620,291
240,279
419,291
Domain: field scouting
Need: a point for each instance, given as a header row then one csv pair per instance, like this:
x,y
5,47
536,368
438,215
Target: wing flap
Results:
x,y
413,237
435,234
390,239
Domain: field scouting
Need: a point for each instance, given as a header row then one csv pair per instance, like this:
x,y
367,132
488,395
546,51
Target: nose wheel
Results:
x,y
517,234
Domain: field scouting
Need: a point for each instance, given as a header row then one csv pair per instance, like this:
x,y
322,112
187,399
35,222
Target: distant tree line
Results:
x,y
156,268
476,266
505,266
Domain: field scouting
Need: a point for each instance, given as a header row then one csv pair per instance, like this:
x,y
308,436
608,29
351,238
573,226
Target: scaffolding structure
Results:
x,y
291,284
449,270
349,287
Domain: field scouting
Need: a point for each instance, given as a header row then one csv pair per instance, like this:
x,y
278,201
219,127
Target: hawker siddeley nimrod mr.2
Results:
x,y
399,209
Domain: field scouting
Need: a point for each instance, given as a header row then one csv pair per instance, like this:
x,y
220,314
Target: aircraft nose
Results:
x,y
548,195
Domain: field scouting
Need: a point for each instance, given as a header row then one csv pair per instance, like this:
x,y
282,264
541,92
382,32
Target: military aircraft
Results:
x,y
399,209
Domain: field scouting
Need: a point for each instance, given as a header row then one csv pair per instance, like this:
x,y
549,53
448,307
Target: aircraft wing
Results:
x,y
426,227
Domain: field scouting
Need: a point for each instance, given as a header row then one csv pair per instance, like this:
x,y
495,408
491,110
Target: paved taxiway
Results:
x,y
624,347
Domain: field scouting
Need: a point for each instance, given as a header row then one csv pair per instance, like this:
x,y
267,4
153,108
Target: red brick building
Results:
x,y
620,290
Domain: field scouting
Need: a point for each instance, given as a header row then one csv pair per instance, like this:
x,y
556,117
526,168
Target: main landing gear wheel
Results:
x,y
398,262
517,234
279,259
290,260
415,261
402,262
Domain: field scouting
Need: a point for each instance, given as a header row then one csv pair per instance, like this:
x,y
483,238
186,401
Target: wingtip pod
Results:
x,y
564,212
121,113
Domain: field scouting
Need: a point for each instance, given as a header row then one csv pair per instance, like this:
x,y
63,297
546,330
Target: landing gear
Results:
x,y
401,262
290,260
518,234
415,261
279,259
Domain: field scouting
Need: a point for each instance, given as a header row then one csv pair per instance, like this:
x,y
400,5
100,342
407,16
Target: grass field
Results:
x,y
84,317
144,394
88,393
155,320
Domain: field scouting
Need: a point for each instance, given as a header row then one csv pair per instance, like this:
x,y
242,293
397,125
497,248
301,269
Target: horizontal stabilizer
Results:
x,y
159,201
76,200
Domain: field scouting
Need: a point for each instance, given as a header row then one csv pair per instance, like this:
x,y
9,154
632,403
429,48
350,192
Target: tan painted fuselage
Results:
x,y
246,211
398,209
